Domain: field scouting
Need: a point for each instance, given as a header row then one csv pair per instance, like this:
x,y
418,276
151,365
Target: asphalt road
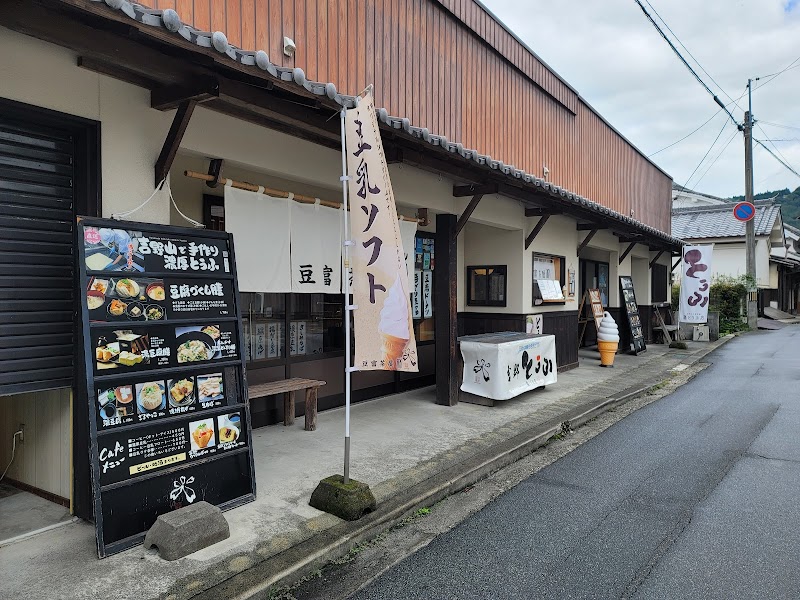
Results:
x,y
693,496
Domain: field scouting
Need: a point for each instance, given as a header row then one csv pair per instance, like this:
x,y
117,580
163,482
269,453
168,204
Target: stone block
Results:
x,y
349,501
179,533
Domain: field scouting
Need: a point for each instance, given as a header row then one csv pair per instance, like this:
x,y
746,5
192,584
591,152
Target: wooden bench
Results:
x,y
288,387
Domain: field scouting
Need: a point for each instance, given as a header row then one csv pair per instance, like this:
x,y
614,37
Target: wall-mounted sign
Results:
x,y
167,403
631,307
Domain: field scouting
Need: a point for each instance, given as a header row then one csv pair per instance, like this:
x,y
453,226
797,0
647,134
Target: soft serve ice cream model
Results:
x,y
393,326
607,340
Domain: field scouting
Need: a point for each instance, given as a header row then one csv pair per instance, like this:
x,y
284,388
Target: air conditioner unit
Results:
x,y
700,333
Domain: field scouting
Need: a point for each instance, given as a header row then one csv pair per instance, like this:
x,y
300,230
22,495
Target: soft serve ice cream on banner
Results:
x,y
383,327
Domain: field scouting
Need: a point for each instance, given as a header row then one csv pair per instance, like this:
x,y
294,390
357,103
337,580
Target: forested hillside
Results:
x,y
789,201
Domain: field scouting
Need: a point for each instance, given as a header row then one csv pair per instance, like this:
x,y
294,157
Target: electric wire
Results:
x,y
779,125
775,156
697,62
773,76
714,143
699,128
686,64
725,147
773,145
13,451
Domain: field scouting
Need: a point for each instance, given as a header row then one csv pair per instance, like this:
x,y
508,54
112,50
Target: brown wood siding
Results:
x,y
449,66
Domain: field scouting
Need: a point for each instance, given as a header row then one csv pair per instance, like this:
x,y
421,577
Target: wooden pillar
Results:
x,y
445,310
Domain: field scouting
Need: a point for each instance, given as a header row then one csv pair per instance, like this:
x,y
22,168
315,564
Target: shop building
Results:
x,y
514,179
705,219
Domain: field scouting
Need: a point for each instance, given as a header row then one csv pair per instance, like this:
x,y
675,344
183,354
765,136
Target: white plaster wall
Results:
x,y
132,133
730,259
484,245
640,272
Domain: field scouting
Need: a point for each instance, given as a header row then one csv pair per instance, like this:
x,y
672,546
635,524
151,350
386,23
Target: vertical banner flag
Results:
x,y
384,332
695,283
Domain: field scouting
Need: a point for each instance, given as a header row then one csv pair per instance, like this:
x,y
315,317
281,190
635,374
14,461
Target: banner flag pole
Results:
x,y
348,307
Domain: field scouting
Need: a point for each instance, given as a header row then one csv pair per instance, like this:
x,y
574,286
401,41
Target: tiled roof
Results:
x,y
170,20
718,221
684,190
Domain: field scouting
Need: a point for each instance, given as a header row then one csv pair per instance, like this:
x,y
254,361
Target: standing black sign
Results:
x,y
632,310
167,394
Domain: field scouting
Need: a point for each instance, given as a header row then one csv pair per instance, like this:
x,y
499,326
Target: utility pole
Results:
x,y
750,237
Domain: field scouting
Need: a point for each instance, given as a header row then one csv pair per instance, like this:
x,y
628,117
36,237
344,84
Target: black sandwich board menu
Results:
x,y
162,338
628,297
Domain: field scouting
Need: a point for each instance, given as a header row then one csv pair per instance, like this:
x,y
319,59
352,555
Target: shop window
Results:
x,y
486,285
214,212
422,288
263,321
549,278
315,324
658,283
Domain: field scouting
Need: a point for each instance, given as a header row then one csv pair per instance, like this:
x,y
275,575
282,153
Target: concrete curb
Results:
x,y
291,564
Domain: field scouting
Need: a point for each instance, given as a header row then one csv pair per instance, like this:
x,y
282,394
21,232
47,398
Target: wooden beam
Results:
x,y
675,264
540,211
172,96
462,220
535,231
474,189
586,240
393,154
173,141
116,72
652,262
627,251
445,296
590,227
309,116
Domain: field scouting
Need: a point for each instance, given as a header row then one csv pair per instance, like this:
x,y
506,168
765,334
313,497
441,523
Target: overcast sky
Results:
x,y
614,57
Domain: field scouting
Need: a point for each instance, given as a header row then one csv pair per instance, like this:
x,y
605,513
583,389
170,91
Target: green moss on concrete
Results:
x,y
679,345
349,501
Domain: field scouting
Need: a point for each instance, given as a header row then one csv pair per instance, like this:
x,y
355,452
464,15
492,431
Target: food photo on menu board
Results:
x,y
151,400
125,299
130,349
204,342
115,405
229,428
202,437
210,390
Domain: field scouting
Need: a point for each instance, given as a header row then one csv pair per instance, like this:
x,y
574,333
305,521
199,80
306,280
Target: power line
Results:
x,y
714,143
773,145
688,66
699,128
772,76
779,125
728,143
675,35
765,147
687,135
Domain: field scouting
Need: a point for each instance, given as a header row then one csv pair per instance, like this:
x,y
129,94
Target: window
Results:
x,y
658,283
549,278
486,285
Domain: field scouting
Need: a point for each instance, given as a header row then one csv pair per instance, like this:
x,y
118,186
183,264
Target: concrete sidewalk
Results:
x,y
411,451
